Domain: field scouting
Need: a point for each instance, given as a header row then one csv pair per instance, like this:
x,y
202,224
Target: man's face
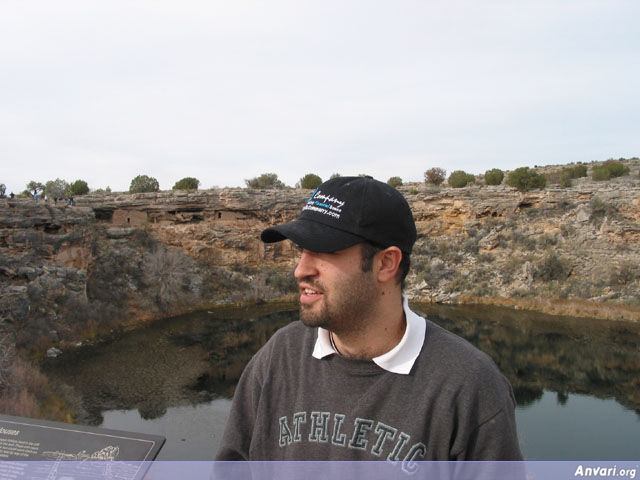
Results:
x,y
334,291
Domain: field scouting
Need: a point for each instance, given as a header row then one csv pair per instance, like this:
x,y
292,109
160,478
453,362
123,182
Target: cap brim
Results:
x,y
312,236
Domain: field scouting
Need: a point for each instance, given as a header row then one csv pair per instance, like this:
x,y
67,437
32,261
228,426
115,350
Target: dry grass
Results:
x,y
26,392
18,395
559,306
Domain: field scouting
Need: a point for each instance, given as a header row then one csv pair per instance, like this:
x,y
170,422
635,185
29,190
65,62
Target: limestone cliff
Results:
x,y
73,271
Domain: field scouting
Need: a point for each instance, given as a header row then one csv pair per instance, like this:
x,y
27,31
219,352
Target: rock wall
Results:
x,y
69,272
569,243
45,255
214,227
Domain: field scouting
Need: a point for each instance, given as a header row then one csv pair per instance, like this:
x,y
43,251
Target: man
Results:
x,y
362,377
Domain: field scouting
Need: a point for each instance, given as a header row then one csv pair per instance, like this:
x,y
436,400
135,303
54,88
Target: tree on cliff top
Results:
x,y
395,181
310,181
144,183
460,178
609,169
525,179
35,187
187,183
266,180
435,175
57,188
79,187
493,176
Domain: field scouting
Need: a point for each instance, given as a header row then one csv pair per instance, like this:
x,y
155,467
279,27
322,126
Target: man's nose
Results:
x,y
306,265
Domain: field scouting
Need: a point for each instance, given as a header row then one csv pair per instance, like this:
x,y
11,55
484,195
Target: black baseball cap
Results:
x,y
345,211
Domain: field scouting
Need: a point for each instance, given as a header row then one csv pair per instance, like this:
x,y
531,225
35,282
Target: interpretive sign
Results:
x,y
23,440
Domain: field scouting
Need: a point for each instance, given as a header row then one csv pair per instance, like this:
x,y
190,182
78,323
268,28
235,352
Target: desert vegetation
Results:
x,y
460,178
395,181
537,252
435,176
187,183
310,181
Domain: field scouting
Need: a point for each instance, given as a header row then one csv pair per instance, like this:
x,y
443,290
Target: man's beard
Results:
x,y
344,307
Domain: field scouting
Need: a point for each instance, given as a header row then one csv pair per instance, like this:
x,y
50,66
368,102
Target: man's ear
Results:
x,y
388,262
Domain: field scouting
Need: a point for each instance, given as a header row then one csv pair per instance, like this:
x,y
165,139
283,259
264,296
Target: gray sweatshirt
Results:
x,y
453,405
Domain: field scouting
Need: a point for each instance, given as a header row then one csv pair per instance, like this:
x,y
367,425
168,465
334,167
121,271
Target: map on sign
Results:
x,y
31,448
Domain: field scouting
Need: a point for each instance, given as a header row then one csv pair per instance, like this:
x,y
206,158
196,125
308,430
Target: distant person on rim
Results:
x,y
362,377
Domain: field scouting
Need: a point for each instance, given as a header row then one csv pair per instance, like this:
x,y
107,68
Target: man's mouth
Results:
x,y
309,295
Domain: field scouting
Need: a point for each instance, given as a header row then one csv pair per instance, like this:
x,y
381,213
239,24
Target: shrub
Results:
x,y
116,273
395,182
617,169
3,189
310,181
564,204
565,179
435,175
79,187
334,175
142,238
609,169
266,180
57,188
460,178
187,183
517,236
624,274
435,272
525,179
169,273
600,173
551,267
280,282
547,240
560,177
601,209
578,171
144,183
470,245
486,258
493,176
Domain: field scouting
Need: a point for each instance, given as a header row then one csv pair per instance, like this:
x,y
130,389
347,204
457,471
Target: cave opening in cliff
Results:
x,y
51,228
103,214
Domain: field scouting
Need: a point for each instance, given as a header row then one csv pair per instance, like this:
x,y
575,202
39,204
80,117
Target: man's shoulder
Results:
x,y
293,332
294,337
450,346
448,356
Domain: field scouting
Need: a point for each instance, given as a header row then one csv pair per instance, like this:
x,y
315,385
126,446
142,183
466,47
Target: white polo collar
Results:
x,y
399,359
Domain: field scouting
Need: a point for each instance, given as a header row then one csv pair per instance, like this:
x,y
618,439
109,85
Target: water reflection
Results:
x,y
188,362
194,358
183,360
229,348
562,354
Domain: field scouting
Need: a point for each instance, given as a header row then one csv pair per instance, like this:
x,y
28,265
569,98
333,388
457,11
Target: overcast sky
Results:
x,y
225,90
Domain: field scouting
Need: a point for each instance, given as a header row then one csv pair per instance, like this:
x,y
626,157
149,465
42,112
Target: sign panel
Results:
x,y
53,443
